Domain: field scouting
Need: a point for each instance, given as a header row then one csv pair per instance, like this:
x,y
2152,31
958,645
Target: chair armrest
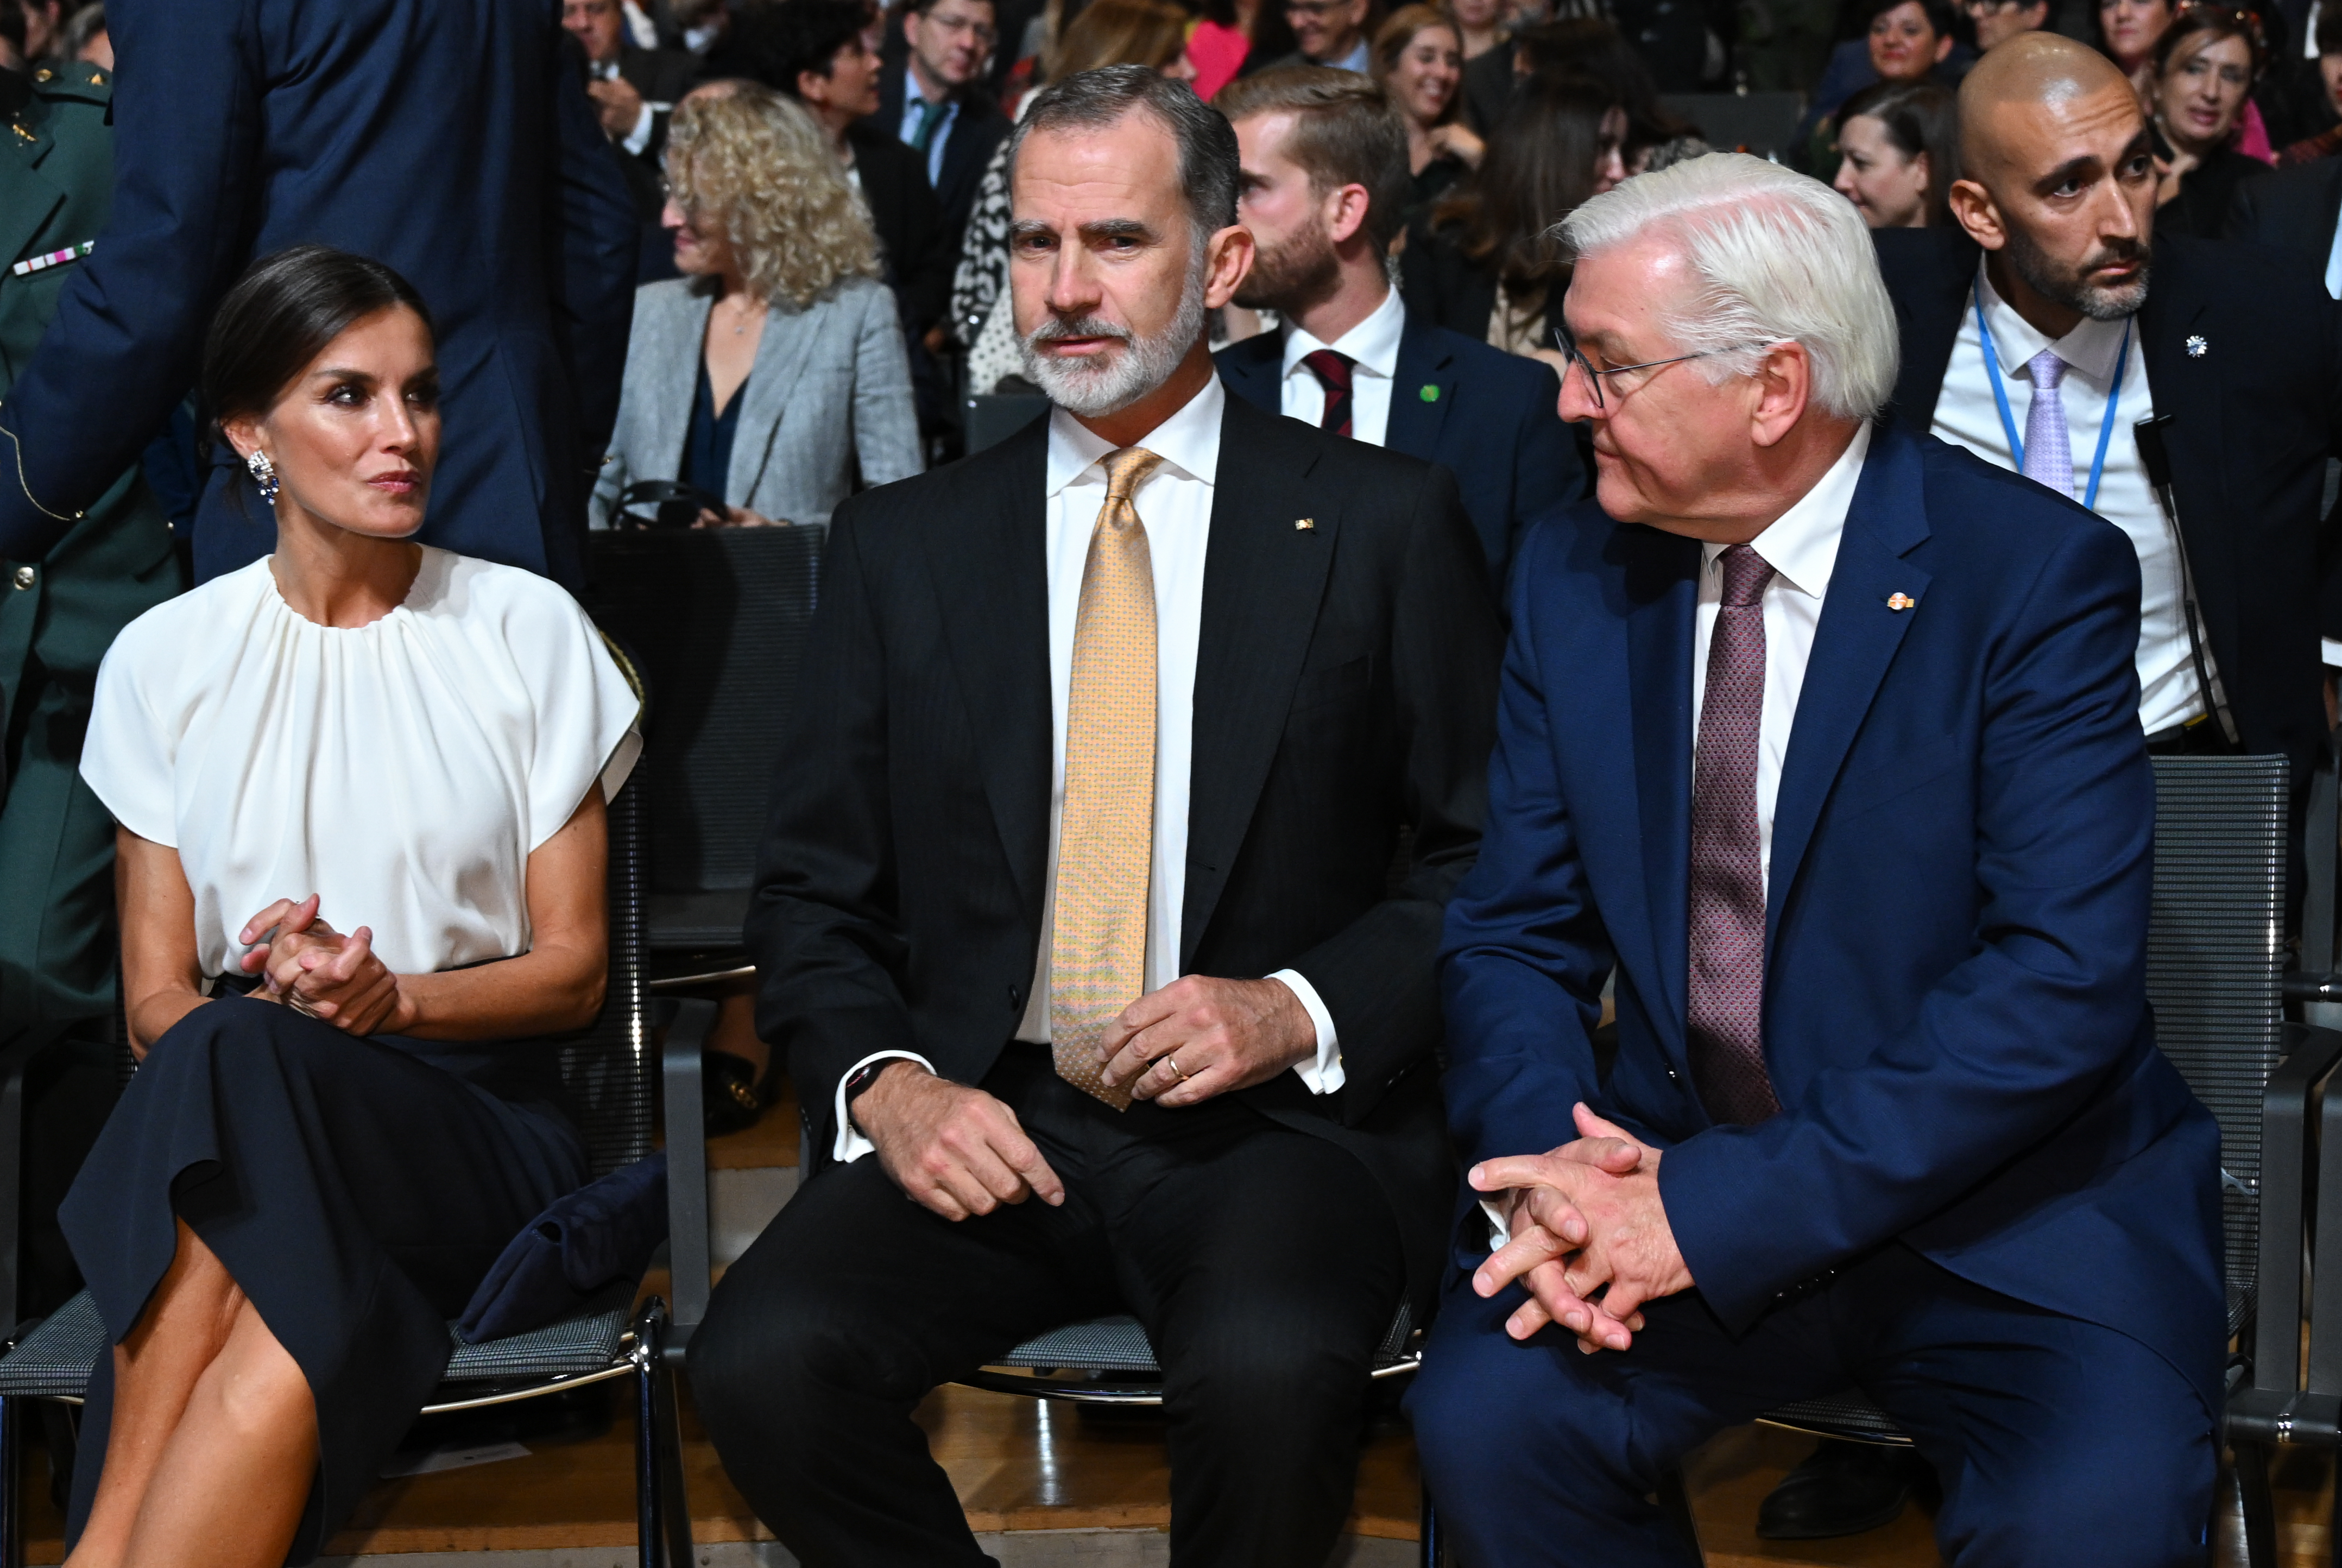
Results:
x,y
2286,1102
686,1169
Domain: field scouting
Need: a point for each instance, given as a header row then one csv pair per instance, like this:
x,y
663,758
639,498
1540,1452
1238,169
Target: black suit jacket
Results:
x,y
2254,418
2292,211
903,209
244,126
1489,417
975,131
1487,87
1345,688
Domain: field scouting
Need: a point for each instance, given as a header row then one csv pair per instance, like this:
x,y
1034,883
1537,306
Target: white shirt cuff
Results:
x,y
850,1144
1499,1233
635,140
2329,652
1324,1076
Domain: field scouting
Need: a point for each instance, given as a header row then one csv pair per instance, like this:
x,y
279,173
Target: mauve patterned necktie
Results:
x,y
2048,445
1106,841
1728,881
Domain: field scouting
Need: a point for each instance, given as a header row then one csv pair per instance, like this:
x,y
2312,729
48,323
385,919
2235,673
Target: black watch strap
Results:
x,y
862,1077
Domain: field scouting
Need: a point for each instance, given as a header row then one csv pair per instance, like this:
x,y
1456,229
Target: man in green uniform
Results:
x,y
57,616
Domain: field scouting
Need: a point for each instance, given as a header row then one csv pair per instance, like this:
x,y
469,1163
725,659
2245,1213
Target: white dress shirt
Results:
x,y
1374,344
1175,504
1801,547
1966,415
2333,264
645,120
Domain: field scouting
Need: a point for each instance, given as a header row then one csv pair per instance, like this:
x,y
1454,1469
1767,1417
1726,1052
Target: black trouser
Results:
x,y
1263,1263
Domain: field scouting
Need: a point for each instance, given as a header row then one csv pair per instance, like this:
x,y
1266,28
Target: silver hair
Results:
x,y
1780,258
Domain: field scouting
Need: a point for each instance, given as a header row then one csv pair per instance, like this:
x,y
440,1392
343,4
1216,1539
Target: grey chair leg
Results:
x,y
646,1471
1675,1508
2258,1507
1430,1532
675,1503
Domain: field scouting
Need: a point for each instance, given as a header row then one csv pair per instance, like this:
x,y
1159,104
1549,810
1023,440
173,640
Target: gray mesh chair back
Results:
x,y
717,619
2215,954
2215,957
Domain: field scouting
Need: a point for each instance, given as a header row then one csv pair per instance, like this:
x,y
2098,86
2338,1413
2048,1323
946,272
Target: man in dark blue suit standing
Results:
x,y
1324,181
454,142
1821,736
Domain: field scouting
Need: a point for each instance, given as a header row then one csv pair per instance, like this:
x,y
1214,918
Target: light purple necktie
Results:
x,y
1726,993
2048,449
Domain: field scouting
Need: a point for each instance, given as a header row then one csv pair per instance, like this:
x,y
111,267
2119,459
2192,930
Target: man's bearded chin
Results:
x,y
1096,384
2062,286
1302,272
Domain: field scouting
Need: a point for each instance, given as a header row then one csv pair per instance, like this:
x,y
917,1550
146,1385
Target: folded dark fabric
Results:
x,y
603,1232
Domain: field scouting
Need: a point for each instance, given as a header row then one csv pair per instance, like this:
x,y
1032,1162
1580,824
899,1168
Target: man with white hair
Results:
x,y
1819,734
1076,915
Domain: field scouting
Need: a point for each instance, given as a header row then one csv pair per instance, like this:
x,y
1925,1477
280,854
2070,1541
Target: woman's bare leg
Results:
x,y
236,1474
186,1324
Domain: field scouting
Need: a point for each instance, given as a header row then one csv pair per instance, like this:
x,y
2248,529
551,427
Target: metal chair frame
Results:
x,y
644,1344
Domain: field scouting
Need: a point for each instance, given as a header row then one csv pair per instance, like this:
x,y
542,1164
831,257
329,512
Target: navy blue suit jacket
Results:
x,y
1489,417
1955,1014
452,141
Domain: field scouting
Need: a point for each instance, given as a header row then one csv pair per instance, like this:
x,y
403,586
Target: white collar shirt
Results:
x,y
1359,59
1175,505
1968,414
1801,547
1373,345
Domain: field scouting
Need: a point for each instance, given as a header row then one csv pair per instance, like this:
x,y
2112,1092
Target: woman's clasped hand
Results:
x,y
312,968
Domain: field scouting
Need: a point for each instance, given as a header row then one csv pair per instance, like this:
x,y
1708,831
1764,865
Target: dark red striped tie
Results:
x,y
1333,372
1726,993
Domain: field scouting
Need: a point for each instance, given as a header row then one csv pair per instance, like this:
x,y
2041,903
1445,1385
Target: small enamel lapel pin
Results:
x,y
1900,601
1304,524
2197,348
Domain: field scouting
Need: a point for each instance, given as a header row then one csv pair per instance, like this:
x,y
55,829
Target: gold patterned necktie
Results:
x,y
1106,841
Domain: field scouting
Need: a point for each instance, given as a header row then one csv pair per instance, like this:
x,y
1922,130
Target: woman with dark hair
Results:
x,y
1479,25
1483,262
359,792
2204,69
1419,61
1590,47
1900,141
1901,41
2126,32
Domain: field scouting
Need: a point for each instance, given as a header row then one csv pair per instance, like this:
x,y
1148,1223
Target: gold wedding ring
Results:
x,y
1173,1063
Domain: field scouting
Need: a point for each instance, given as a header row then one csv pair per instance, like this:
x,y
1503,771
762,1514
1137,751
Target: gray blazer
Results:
x,y
831,387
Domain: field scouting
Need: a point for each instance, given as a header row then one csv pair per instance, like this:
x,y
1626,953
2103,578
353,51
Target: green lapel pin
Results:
x,y
1430,392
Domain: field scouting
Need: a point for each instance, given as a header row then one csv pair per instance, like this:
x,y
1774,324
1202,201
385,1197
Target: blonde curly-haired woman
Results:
x,y
773,371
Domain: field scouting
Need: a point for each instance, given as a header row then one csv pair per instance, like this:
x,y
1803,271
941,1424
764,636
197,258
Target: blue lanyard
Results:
x,y
2008,420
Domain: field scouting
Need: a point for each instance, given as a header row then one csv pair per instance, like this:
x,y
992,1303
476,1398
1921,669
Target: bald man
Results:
x,y
2042,328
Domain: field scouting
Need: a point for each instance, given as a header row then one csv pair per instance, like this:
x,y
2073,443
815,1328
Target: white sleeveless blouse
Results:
x,y
402,771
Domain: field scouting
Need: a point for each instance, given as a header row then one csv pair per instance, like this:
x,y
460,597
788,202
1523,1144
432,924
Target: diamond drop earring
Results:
x,y
264,474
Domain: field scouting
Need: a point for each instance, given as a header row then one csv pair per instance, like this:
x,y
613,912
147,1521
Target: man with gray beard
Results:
x,y
2186,390
1078,917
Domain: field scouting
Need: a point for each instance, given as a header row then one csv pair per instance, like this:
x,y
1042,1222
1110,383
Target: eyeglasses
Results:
x,y
982,32
1566,341
1316,10
1980,9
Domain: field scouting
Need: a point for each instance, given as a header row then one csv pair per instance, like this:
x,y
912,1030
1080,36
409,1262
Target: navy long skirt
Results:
x,y
357,1190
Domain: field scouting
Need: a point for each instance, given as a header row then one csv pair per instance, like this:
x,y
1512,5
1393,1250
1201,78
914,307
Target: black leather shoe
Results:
x,y
734,1099
1841,1489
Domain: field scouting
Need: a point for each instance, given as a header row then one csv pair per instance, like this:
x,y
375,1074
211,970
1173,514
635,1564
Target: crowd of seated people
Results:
x,y
1443,452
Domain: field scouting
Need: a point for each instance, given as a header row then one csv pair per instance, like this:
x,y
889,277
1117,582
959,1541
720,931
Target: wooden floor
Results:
x,y
1020,1465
